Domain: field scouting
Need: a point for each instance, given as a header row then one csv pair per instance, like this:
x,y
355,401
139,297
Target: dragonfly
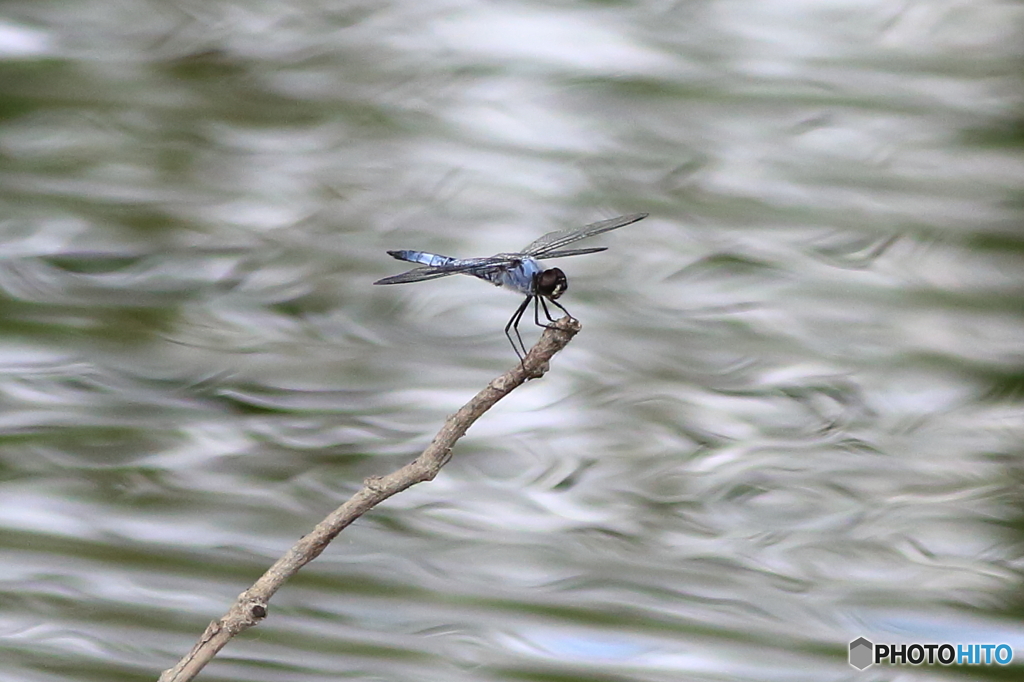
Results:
x,y
520,271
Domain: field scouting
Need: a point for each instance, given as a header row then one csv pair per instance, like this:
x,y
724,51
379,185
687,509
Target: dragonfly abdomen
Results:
x,y
432,259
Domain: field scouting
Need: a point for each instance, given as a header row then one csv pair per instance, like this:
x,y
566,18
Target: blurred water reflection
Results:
x,y
793,416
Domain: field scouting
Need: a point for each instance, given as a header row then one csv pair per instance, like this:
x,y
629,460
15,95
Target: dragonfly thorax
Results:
x,y
551,283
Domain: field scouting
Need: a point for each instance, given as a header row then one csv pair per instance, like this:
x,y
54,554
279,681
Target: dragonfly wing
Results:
x,y
562,253
416,275
553,241
467,266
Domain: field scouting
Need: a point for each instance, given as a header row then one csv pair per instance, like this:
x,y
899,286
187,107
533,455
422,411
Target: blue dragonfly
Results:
x,y
520,271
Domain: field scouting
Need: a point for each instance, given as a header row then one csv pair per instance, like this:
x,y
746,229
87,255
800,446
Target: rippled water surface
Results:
x,y
793,417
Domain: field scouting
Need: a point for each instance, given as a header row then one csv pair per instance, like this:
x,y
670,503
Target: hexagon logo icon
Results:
x,y
862,653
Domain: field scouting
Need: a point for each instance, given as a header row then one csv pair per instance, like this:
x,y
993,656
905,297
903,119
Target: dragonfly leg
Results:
x,y
547,313
560,307
513,324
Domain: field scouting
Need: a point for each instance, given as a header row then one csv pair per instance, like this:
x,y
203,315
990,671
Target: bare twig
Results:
x,y
251,606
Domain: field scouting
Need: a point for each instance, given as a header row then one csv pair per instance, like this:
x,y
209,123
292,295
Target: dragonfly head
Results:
x,y
551,283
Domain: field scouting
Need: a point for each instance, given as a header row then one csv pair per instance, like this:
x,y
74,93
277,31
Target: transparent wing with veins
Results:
x,y
548,246
464,265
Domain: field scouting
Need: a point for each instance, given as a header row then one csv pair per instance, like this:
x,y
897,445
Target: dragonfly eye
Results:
x,y
552,283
